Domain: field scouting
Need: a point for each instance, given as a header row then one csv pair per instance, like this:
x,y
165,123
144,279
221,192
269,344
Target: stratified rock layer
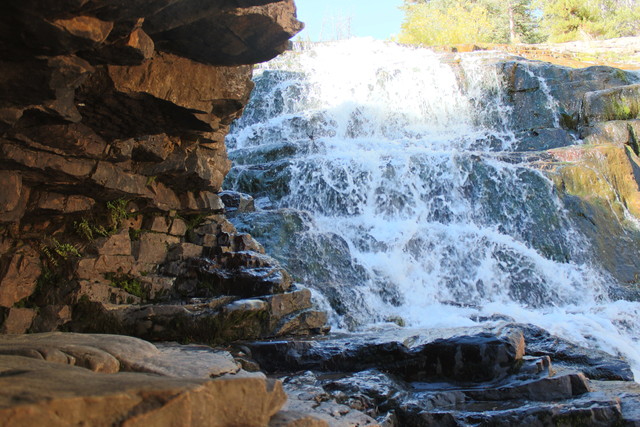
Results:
x,y
112,123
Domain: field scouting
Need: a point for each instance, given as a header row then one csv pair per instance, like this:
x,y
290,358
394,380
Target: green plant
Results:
x,y
194,221
135,233
84,229
151,180
117,213
128,284
56,251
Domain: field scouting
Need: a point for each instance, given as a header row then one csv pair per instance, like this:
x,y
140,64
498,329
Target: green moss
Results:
x,y
623,109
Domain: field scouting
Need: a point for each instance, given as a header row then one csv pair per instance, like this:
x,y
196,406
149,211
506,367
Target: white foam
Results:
x,y
401,163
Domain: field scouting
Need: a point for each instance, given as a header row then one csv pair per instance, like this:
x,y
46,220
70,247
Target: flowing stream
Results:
x,y
388,180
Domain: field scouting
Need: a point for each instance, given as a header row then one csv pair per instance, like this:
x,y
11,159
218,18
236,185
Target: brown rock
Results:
x,y
115,353
64,204
185,251
112,177
51,317
132,49
93,268
158,224
118,244
305,322
244,35
178,227
281,305
158,77
154,247
11,190
86,27
102,290
51,163
19,273
46,396
17,320
63,139
203,201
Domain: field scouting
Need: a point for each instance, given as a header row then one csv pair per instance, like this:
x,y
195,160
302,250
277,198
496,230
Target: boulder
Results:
x,y
466,358
47,396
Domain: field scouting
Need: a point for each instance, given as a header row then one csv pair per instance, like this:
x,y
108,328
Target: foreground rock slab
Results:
x,y
35,392
114,353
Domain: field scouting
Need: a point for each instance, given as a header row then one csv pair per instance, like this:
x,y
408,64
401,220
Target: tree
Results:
x,y
566,20
437,22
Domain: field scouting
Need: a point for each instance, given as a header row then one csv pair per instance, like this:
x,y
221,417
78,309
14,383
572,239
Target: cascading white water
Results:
x,y
442,227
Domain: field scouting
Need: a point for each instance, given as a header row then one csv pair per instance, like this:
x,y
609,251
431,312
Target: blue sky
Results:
x,y
324,19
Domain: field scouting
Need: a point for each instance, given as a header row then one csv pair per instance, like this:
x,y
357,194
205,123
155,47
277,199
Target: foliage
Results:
x,y
55,251
568,20
116,214
446,22
128,284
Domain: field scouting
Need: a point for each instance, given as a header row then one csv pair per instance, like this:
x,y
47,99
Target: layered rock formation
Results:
x,y
598,179
112,118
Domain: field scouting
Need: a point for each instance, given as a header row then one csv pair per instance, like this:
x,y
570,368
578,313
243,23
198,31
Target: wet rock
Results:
x,y
237,202
595,364
470,358
622,103
591,177
544,95
543,389
307,396
295,419
615,132
544,139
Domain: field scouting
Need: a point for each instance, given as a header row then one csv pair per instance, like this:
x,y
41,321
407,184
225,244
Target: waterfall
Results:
x,y
386,180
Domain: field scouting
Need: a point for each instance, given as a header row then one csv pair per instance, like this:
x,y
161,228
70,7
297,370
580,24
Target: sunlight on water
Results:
x,y
399,158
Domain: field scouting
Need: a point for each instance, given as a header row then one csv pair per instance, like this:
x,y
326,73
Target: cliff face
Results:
x,y
112,119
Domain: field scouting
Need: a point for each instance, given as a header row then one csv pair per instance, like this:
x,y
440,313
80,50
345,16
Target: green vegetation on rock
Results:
x,y
54,251
116,213
128,284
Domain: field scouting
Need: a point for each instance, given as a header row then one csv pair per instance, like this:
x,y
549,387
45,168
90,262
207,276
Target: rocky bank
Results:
x,y
113,117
